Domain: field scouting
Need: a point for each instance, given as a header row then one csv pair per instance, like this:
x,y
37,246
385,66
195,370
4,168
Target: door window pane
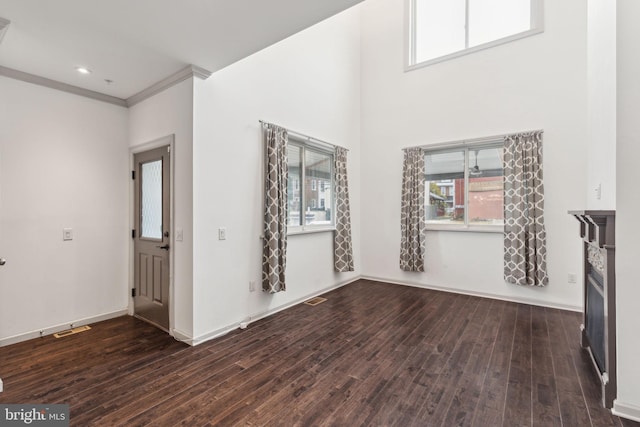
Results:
x,y
445,186
317,169
293,184
151,200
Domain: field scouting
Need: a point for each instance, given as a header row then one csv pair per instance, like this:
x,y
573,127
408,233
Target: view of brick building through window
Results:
x,y
447,189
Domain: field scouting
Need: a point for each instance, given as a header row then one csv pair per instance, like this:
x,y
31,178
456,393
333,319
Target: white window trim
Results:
x,y
304,228
478,143
309,230
537,27
466,228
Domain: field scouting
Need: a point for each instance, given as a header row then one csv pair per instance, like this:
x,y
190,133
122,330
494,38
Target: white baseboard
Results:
x,y
61,327
212,335
529,301
182,336
255,317
626,410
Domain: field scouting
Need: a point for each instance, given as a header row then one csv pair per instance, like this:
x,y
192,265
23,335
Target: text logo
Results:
x,y
34,415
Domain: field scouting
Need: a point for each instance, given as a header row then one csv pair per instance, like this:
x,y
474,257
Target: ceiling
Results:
x,y
136,43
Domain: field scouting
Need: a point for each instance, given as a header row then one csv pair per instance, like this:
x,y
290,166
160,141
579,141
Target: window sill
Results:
x,y
309,230
467,228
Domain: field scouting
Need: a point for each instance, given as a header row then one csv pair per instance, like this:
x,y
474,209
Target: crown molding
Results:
x,y
185,73
164,84
53,84
200,72
4,24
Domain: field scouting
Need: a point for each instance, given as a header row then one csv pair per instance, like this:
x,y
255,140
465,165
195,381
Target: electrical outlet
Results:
x,y
222,233
572,278
252,286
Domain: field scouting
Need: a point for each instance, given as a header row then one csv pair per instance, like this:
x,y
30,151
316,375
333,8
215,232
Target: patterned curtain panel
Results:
x,y
343,250
274,251
525,248
412,243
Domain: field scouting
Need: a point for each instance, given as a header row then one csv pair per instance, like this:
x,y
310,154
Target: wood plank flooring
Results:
x,y
373,354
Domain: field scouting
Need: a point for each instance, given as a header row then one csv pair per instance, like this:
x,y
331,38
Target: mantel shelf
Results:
x,y
597,226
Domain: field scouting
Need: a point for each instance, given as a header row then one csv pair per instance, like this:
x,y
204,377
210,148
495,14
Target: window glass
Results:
x,y
451,27
318,169
445,185
293,187
151,200
465,186
310,186
439,28
487,19
486,199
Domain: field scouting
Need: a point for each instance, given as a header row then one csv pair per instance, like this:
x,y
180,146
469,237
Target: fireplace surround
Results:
x,y
598,330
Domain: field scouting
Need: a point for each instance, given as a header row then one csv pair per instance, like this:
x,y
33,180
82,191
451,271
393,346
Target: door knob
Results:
x,y
165,247
3,261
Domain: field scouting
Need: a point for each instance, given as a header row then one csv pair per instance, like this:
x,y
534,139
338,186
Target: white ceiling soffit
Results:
x,y
136,44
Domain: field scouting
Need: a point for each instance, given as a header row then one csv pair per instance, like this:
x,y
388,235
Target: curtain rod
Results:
x,y
303,136
464,142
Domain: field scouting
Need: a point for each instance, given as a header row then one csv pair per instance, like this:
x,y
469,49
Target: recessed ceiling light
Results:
x,y
83,70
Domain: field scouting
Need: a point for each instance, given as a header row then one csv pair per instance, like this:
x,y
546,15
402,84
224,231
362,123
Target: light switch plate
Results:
x,y
179,234
222,233
67,234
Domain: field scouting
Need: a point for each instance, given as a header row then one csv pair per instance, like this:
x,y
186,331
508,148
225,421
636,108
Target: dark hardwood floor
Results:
x,y
372,354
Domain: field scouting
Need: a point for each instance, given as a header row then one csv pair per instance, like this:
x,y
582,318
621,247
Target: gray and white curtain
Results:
x,y
274,251
343,250
412,226
525,248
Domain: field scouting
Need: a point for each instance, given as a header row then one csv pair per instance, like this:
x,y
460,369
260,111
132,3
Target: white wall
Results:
x,y
534,83
171,113
601,123
628,206
308,83
63,164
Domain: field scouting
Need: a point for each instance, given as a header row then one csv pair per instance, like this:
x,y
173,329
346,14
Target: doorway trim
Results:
x,y
168,140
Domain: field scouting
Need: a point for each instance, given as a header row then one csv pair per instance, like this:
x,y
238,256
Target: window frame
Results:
x,y
304,145
467,148
536,27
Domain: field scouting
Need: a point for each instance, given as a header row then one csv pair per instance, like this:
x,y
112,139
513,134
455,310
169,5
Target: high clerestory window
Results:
x,y
444,29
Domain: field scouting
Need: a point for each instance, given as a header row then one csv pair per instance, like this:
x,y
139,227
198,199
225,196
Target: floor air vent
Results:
x,y
315,301
72,331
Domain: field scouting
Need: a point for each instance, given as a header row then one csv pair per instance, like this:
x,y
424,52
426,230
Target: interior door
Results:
x,y
151,236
